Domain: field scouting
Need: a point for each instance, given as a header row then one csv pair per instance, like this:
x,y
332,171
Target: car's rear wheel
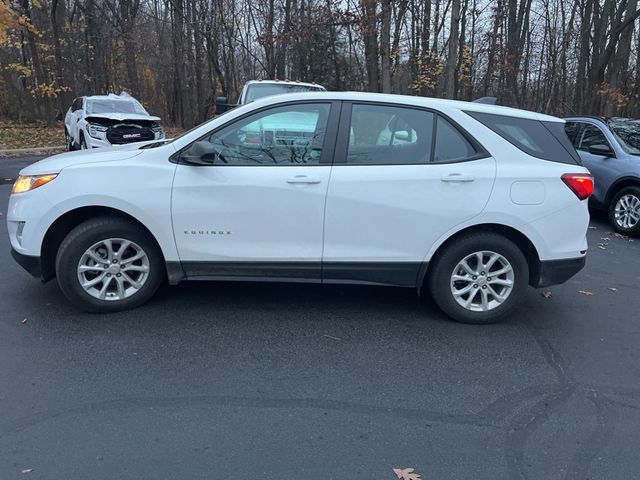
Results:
x,y
478,278
108,264
624,211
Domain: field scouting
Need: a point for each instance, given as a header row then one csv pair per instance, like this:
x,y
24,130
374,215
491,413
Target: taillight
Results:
x,y
580,183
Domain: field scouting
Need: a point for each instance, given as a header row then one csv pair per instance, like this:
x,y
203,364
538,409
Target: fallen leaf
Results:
x,y
606,239
547,294
26,470
620,236
406,474
593,228
585,292
602,247
613,289
24,320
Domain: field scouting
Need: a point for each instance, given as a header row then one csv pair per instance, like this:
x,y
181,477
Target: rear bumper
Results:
x,y
554,272
29,263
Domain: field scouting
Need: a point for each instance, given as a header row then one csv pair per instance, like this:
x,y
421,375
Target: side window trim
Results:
x,y
342,142
326,157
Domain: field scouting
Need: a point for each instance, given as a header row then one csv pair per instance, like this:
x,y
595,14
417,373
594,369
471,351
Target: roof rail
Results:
x,y
485,100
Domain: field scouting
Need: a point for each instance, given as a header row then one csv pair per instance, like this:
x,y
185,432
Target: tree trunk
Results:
x,y
385,45
452,58
370,34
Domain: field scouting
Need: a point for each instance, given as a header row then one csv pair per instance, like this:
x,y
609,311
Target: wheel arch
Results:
x,y
61,227
628,181
523,242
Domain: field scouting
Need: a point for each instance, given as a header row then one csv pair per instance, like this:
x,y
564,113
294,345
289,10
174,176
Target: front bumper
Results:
x,y
29,263
555,272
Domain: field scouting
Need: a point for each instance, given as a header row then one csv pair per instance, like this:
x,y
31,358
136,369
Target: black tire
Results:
x,y
68,140
88,234
83,142
629,192
441,269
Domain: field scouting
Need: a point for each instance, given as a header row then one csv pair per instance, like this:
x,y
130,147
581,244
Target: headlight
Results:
x,y
97,131
24,183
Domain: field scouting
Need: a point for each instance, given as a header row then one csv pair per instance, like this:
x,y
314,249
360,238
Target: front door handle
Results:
x,y
457,177
303,179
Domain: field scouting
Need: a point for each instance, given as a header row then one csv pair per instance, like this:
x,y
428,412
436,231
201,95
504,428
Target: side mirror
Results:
x,y
199,153
601,150
222,105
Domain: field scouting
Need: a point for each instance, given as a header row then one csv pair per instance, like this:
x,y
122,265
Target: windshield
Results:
x,y
627,131
261,90
114,106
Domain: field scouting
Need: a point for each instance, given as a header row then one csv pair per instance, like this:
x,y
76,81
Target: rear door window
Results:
x,y
545,140
390,135
76,105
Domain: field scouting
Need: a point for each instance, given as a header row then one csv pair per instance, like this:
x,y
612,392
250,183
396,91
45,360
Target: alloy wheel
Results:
x,y
627,211
482,281
113,269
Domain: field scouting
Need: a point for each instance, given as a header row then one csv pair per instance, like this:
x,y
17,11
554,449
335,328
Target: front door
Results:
x,y
402,178
248,199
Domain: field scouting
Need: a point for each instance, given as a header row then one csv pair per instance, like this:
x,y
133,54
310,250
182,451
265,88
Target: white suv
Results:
x,y
472,202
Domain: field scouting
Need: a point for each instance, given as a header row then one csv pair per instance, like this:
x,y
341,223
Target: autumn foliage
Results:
x,y
554,56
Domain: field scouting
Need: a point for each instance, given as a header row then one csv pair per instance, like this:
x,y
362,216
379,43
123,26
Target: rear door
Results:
x,y
402,177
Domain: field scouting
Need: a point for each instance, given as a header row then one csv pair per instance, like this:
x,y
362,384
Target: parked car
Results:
x,y
107,120
256,89
610,149
475,203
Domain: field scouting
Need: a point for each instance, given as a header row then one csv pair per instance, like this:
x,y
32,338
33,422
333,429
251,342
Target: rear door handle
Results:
x,y
303,179
457,177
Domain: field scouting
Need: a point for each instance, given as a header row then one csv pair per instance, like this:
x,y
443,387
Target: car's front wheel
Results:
x,y
478,278
68,140
108,264
624,211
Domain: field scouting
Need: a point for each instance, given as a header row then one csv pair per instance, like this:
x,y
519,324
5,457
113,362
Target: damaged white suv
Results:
x,y
107,120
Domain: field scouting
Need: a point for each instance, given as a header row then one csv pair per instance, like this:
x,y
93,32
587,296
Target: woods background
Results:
x,y
554,56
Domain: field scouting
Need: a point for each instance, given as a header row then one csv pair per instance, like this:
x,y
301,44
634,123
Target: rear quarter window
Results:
x,y
545,140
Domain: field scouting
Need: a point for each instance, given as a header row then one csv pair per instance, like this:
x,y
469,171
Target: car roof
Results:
x,y
111,96
586,117
284,82
428,102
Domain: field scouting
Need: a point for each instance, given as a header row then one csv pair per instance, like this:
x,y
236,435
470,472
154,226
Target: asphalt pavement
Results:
x,y
288,381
